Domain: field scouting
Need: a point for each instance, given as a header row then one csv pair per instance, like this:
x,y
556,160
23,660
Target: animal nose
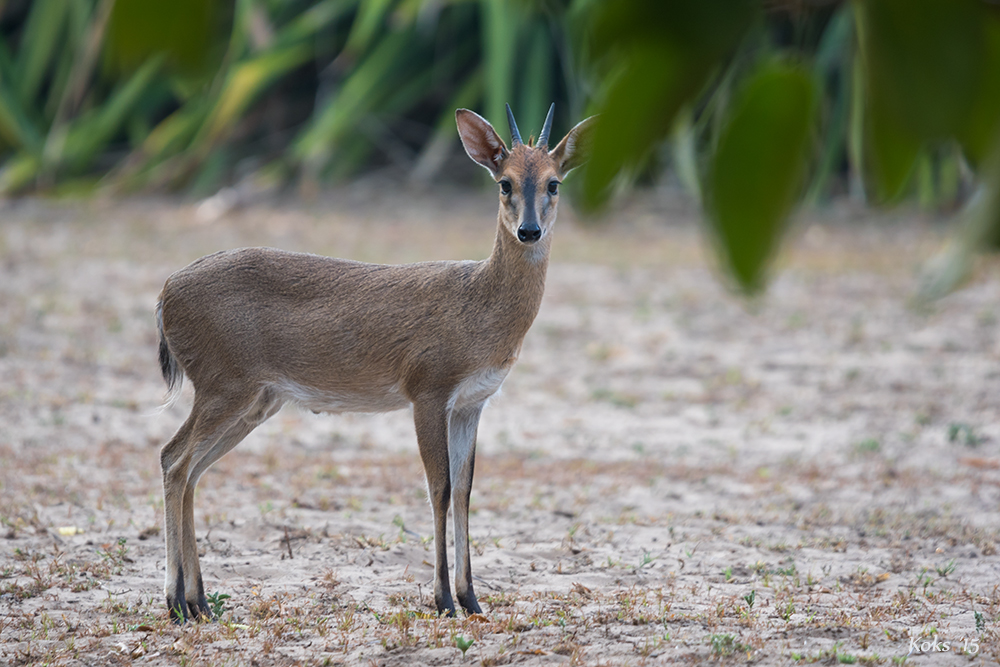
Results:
x,y
529,233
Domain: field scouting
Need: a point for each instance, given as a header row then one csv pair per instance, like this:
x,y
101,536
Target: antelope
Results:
x,y
255,328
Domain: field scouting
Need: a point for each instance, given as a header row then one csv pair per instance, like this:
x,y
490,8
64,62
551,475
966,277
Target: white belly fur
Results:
x,y
322,401
473,390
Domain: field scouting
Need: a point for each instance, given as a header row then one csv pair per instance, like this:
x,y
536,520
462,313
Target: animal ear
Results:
x,y
481,141
574,149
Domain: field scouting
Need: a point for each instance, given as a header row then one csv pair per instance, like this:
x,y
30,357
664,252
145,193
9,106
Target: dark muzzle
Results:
x,y
529,232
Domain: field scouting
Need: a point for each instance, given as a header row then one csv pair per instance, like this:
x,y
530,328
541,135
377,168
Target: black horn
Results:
x,y
515,136
543,138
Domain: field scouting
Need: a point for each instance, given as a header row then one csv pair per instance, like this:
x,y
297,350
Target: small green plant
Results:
x,y
980,622
724,644
116,556
728,573
869,446
964,433
399,523
122,551
615,398
945,570
217,601
750,598
789,571
463,644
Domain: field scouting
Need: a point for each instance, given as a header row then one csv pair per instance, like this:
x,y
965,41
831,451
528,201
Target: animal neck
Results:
x,y
515,274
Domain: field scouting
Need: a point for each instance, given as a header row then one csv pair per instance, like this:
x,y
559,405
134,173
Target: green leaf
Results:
x,y
640,107
18,172
188,32
893,150
924,62
660,56
385,68
312,20
244,84
536,83
435,152
834,59
371,18
40,44
981,131
174,133
90,134
500,30
15,126
758,167
463,644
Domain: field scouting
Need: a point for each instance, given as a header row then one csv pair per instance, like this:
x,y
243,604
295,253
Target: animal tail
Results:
x,y
172,373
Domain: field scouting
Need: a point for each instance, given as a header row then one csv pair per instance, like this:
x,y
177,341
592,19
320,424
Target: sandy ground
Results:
x,y
670,475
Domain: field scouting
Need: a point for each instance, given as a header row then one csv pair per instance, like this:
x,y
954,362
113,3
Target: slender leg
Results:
x,y
462,452
208,421
194,588
267,404
174,465
431,422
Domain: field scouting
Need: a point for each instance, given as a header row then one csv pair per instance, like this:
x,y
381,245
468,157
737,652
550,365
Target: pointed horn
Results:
x,y
543,138
515,136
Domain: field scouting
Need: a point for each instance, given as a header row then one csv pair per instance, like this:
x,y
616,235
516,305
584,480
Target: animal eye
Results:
x,y
553,187
505,186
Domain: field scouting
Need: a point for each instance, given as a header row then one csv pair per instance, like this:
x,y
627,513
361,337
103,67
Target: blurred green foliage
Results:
x,y
191,94
751,106
758,165
767,103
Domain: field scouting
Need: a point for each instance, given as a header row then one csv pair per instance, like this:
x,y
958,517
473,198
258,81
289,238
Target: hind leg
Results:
x,y
266,405
173,463
210,420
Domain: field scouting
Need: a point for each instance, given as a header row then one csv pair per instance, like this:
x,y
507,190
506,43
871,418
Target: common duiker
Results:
x,y
257,327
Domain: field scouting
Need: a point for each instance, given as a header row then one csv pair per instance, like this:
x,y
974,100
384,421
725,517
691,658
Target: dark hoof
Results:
x,y
201,612
467,599
181,612
446,612
176,603
445,604
472,609
178,611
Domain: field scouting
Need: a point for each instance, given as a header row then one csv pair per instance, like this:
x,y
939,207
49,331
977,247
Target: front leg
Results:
x,y
462,453
431,421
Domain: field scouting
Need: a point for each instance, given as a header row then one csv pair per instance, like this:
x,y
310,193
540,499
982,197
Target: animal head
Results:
x,y
529,174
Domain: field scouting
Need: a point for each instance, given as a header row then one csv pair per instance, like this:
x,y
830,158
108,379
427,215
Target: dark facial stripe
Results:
x,y
529,188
